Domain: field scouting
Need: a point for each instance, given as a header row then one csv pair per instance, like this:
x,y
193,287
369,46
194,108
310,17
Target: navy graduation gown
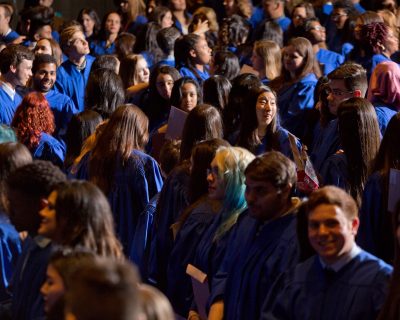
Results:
x,y
293,102
72,82
179,285
173,199
29,275
267,253
334,171
325,143
357,291
134,185
284,144
375,233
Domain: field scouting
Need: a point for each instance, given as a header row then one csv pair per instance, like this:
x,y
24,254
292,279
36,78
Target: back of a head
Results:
x,y
12,156
104,289
36,179
106,61
273,167
166,39
353,75
104,92
203,122
155,305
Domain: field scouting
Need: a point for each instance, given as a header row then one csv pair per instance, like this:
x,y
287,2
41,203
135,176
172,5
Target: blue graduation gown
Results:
x,y
29,275
259,16
186,72
179,285
8,106
375,233
10,249
334,171
142,233
173,199
267,253
384,114
49,149
63,109
325,143
10,37
98,48
293,101
134,185
72,82
283,137
329,60
356,292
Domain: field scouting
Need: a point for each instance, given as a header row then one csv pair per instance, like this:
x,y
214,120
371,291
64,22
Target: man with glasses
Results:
x,y
345,82
73,74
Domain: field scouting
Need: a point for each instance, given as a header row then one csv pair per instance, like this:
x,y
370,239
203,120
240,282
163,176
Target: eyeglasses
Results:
x,y
338,15
318,28
338,92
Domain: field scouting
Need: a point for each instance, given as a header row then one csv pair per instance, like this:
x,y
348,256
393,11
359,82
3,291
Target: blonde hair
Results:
x,y
271,54
211,17
136,8
67,34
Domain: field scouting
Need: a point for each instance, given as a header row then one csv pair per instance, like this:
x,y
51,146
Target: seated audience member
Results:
x,y
62,264
104,289
341,281
106,61
192,56
155,305
44,71
111,26
264,243
16,70
77,214
345,82
34,125
28,186
73,74
359,138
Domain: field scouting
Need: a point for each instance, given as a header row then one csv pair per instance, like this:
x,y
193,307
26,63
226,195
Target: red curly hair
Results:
x,y
32,117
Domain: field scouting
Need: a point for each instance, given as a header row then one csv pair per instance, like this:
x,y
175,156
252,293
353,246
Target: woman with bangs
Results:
x,y
260,130
34,124
295,87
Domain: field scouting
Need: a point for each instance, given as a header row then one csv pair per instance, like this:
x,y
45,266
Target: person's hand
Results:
x,y
201,27
19,40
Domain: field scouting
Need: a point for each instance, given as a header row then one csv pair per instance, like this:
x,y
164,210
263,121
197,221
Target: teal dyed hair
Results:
x,y
232,162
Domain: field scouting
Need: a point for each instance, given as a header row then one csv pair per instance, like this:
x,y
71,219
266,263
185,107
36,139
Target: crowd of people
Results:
x,y
195,160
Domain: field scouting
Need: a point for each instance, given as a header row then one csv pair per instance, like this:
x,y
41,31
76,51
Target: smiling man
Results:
x,y
44,76
341,281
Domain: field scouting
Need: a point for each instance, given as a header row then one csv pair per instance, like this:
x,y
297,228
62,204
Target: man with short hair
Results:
x,y
73,74
341,281
44,77
16,70
27,189
271,10
345,82
7,35
264,242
